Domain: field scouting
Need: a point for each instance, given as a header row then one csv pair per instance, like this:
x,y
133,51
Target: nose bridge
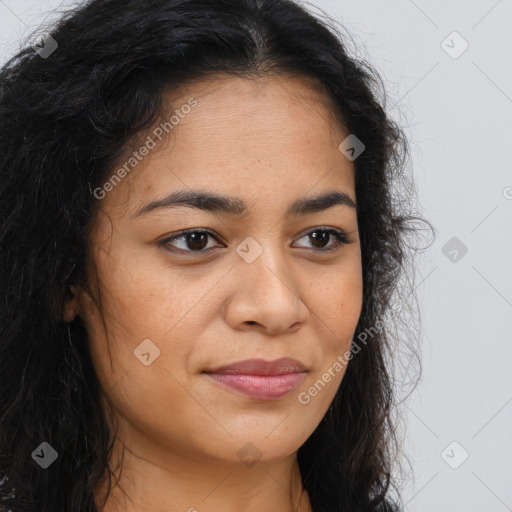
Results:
x,y
268,292
266,262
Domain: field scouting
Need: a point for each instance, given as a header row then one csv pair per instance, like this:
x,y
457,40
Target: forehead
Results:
x,y
242,135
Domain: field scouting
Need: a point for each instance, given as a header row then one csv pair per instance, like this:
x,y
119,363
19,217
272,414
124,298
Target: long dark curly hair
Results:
x,y
65,117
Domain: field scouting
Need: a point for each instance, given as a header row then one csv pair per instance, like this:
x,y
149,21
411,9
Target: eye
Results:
x,y
321,236
192,240
196,240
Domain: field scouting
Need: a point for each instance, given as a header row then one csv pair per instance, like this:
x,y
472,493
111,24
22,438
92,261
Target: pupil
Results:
x,y
193,239
324,237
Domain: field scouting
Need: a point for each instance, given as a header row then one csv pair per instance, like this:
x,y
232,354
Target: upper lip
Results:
x,y
261,367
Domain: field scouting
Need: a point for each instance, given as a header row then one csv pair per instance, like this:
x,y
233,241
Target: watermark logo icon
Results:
x,y
454,455
249,249
249,455
507,193
45,455
454,45
147,352
351,147
454,249
45,46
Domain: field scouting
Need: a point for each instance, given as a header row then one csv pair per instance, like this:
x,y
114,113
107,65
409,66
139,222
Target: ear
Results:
x,y
71,306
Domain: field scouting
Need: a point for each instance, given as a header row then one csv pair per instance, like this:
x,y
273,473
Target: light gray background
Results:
x,y
457,113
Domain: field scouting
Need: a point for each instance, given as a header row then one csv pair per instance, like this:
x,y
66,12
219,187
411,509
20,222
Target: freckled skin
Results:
x,y
268,141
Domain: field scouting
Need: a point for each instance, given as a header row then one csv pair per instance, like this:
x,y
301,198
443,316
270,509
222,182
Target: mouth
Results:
x,y
259,379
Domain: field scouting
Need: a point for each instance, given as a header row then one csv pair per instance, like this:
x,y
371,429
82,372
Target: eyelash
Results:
x,y
340,236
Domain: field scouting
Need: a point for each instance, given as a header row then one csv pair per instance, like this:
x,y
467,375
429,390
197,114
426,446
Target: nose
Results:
x,y
268,296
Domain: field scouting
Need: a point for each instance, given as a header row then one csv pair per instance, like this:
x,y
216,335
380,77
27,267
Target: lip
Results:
x,y
261,367
260,379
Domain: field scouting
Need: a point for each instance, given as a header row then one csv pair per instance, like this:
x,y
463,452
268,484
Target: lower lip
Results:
x,y
263,387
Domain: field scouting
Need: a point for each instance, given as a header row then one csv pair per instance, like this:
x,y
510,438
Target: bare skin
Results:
x,y
267,141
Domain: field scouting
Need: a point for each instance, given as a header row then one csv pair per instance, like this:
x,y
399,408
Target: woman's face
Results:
x,y
265,284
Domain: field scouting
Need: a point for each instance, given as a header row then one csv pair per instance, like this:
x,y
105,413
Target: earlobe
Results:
x,y
71,308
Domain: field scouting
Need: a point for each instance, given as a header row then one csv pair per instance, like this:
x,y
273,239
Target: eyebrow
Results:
x,y
215,203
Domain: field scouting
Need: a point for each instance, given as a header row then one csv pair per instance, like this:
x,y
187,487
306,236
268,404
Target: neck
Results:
x,y
153,478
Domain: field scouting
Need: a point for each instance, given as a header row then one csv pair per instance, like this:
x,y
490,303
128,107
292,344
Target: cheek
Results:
x,y
142,361
338,301
339,307
125,312
145,313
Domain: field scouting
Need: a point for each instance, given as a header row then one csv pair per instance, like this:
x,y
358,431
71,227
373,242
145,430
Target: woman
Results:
x,y
199,245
